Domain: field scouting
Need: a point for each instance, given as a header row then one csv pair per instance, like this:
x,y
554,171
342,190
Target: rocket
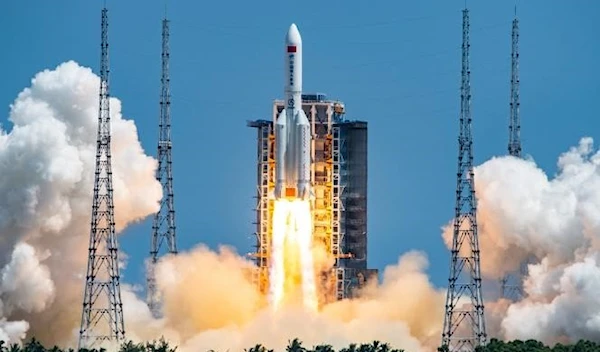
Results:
x,y
292,129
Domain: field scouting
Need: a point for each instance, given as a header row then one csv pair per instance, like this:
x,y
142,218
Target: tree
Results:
x,y
350,348
323,348
129,346
295,346
258,348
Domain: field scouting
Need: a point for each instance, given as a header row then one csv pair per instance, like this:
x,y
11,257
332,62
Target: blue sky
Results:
x,y
395,64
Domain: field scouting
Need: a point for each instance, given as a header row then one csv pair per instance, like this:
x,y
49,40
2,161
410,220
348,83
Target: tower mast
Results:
x,y
464,325
163,226
102,316
512,283
514,139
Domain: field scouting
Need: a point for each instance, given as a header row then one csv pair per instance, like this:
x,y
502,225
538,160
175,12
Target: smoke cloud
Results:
x,y
47,166
212,304
554,224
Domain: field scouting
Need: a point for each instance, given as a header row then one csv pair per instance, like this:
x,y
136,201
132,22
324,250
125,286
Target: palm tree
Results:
x,y
34,346
160,346
13,348
323,348
129,346
295,346
383,347
350,348
365,347
258,348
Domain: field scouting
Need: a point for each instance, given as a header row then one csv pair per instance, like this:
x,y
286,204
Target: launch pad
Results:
x,y
339,206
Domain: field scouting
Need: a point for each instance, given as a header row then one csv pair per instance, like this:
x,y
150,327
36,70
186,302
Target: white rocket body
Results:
x,y
292,129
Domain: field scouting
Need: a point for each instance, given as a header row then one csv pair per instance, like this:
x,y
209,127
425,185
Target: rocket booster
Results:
x,y
292,130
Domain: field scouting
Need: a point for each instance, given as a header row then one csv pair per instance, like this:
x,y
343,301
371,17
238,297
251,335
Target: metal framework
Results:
x,y
264,209
102,315
511,284
337,228
163,225
328,184
464,324
514,139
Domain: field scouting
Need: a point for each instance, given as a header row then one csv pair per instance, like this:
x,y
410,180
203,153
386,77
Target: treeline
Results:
x,y
295,345
535,346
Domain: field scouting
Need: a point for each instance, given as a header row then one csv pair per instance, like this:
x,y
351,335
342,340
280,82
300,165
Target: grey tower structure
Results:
x,y
102,315
163,225
339,179
464,323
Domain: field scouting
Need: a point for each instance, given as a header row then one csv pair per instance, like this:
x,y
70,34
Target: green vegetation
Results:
x,y
296,346
536,346
495,345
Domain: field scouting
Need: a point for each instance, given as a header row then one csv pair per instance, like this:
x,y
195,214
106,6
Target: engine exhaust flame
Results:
x,y
291,255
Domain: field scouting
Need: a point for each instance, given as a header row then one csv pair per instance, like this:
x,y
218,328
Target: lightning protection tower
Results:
x,y
512,288
163,226
464,325
102,316
514,139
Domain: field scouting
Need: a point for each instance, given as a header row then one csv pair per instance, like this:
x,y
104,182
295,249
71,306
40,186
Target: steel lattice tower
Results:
x,y
464,325
102,316
514,139
163,226
511,283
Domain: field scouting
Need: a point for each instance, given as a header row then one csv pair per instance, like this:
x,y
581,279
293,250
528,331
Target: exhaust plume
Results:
x,y
213,305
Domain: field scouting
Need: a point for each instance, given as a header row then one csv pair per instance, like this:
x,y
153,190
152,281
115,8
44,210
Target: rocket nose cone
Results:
x,y
293,35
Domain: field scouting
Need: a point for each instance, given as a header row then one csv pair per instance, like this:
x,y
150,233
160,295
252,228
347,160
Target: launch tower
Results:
x,y
102,315
464,323
339,180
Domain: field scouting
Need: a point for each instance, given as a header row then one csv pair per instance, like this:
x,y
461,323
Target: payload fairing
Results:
x,y
292,129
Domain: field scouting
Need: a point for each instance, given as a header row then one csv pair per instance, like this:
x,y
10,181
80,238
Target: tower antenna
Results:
x,y
102,316
512,283
514,139
464,324
163,226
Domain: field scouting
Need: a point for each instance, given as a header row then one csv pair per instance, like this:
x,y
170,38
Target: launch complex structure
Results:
x,y
339,181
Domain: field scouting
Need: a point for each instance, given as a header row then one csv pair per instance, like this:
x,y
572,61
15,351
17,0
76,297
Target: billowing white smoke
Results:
x,y
46,175
522,214
47,166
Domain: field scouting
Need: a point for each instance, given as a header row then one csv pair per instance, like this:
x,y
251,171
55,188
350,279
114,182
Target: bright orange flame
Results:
x,y
292,263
